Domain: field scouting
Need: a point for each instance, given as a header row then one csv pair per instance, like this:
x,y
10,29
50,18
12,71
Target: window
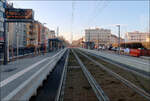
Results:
x,y
1,25
1,34
1,14
1,4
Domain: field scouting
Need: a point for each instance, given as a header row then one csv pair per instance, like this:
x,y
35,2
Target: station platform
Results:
x,y
133,62
18,74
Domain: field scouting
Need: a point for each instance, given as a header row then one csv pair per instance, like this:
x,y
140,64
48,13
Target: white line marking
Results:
x,y
20,73
9,96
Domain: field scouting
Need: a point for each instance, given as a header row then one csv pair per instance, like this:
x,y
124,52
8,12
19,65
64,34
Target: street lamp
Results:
x,y
118,38
44,37
98,41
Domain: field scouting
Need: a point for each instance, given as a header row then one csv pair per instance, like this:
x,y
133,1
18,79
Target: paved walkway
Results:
x,y
16,72
134,62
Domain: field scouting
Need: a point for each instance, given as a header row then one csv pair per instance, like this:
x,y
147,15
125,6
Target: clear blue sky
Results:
x,y
132,15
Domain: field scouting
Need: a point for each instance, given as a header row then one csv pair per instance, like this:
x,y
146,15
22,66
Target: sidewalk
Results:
x,y
145,57
14,58
133,62
16,72
15,66
141,58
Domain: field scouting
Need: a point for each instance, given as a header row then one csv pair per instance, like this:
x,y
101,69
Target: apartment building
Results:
x,y
31,35
38,34
1,21
99,36
137,36
16,35
52,34
114,39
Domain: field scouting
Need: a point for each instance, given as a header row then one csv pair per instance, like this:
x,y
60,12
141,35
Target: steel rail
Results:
x,y
95,86
60,92
123,80
120,65
127,67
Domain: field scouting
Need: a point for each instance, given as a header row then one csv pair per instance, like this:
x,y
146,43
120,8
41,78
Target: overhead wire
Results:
x,y
72,19
95,10
100,8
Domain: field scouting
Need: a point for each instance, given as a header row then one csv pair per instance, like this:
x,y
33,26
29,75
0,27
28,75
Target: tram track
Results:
x,y
79,83
131,76
96,87
116,87
84,78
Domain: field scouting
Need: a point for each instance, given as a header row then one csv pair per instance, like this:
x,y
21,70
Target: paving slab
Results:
x,y
138,63
16,72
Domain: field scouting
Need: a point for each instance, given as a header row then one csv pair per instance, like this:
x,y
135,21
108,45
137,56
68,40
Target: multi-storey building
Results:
x,y
99,36
17,35
114,39
38,34
1,27
1,21
31,35
77,43
52,34
137,36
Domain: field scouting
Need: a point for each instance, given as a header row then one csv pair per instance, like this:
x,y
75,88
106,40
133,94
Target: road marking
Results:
x,y
20,73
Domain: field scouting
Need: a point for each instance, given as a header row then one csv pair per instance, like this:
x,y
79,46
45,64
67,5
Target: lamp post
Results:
x,y
118,38
89,41
98,42
44,38
17,38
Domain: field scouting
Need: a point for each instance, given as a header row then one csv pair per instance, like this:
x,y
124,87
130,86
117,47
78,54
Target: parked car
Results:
x,y
99,47
114,48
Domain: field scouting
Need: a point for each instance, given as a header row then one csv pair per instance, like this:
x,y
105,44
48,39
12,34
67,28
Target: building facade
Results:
x,y
1,27
38,35
52,34
114,39
100,36
1,20
137,36
17,35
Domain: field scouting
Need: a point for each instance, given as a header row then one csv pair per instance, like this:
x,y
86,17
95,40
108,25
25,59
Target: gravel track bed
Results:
x,y
135,79
77,87
114,88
